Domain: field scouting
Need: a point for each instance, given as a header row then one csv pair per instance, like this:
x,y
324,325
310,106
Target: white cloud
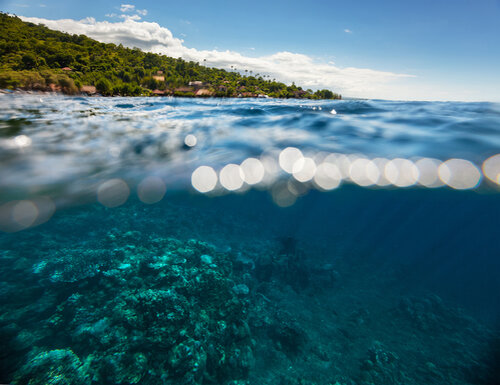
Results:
x,y
127,7
142,12
347,30
130,17
284,66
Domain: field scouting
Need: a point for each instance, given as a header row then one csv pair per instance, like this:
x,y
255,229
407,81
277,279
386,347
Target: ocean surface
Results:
x,y
248,241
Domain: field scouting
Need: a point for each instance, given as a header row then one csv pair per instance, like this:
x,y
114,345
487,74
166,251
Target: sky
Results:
x,y
393,49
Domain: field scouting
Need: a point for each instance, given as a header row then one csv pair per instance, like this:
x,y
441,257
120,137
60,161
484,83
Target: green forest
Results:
x,y
34,57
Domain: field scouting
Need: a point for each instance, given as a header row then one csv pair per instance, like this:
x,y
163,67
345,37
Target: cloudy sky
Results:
x,y
426,50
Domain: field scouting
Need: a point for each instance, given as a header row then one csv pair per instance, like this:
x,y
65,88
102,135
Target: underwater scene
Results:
x,y
248,241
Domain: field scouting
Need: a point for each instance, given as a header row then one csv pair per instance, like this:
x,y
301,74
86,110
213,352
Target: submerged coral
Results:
x,y
167,312
145,307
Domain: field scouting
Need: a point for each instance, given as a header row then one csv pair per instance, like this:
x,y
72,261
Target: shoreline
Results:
x,y
20,91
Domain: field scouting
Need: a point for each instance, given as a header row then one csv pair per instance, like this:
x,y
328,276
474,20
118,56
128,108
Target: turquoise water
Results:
x,y
187,241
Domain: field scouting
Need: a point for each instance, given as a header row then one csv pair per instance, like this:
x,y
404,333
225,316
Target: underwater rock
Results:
x,y
243,262
207,259
73,265
288,336
241,289
171,311
429,314
57,367
381,367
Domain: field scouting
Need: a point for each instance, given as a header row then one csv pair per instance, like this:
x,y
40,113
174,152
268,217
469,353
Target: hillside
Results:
x,y
35,57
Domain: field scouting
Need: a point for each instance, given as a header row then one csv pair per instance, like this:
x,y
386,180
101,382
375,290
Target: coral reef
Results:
x,y
129,302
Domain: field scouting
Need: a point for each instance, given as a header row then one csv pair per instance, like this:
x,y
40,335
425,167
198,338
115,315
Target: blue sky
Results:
x,y
451,49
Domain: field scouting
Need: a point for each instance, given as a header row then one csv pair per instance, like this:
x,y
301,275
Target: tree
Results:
x,y
104,86
29,61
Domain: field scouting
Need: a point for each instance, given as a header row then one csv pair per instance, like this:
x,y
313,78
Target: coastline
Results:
x,y
20,91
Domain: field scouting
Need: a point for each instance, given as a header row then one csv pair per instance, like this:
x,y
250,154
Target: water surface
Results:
x,y
245,241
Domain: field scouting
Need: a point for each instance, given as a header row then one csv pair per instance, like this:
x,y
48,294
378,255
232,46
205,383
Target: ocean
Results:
x,y
248,241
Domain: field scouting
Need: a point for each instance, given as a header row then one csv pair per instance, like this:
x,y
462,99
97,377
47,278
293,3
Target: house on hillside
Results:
x,y
158,92
246,95
89,90
197,84
184,91
204,92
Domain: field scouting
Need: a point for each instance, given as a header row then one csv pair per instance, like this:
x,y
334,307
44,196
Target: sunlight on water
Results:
x,y
364,172
204,179
288,157
289,150
429,172
151,190
327,176
459,174
190,140
401,172
231,177
253,171
304,169
247,242
491,168
113,193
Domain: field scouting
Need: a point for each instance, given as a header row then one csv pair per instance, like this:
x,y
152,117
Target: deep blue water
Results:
x,y
245,241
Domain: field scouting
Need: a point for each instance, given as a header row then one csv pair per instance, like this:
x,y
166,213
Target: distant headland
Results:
x,y
36,58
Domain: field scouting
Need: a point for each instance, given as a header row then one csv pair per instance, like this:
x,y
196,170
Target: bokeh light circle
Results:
x,y
151,190
288,157
491,168
231,177
204,179
253,171
459,174
113,192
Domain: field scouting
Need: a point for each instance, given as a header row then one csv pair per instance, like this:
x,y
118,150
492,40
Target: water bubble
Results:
x,y
151,190
204,179
231,177
459,174
113,193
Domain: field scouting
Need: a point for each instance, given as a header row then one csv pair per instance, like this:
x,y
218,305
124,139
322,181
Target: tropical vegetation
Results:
x,y
34,57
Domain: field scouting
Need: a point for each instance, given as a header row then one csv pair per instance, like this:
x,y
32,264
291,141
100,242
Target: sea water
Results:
x,y
248,241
